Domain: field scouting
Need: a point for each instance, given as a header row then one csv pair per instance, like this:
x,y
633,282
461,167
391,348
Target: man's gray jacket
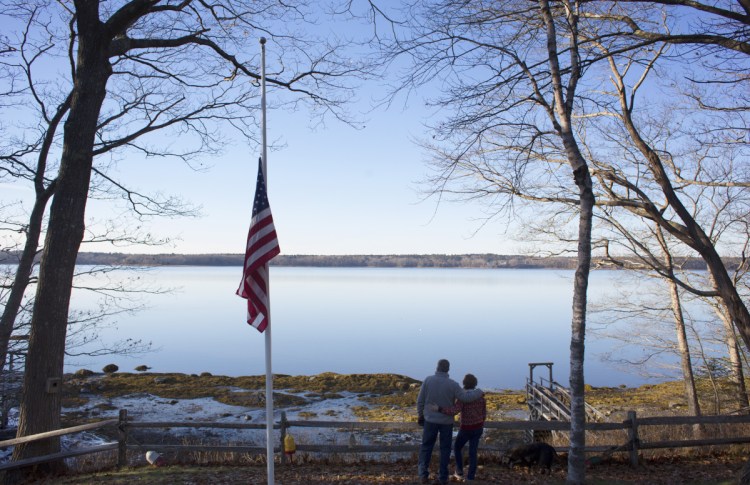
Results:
x,y
443,391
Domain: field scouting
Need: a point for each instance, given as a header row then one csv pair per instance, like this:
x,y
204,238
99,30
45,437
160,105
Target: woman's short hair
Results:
x,y
470,382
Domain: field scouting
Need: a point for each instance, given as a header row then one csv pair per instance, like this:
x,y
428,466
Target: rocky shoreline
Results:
x,y
367,397
374,397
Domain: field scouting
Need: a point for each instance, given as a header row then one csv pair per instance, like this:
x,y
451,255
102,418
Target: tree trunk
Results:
x,y
728,292
42,388
562,107
577,456
33,234
22,278
686,363
736,374
682,345
692,234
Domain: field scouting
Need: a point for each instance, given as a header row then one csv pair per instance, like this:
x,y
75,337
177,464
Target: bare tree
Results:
x,y
15,164
689,174
30,150
182,68
496,63
718,207
636,176
703,164
510,74
687,230
667,267
735,357
717,34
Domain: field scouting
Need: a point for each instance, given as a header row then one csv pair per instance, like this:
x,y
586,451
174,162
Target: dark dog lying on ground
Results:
x,y
539,454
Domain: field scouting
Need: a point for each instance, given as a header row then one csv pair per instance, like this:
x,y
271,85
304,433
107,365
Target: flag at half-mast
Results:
x,y
262,247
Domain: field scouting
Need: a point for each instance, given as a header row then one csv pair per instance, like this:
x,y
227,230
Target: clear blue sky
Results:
x,y
334,190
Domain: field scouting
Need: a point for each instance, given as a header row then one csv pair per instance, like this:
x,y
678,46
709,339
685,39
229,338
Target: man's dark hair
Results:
x,y
470,382
443,365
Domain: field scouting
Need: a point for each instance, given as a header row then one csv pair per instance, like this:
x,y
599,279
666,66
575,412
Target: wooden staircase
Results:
x,y
549,401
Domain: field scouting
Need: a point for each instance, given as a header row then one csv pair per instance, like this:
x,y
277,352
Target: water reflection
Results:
x,y
490,322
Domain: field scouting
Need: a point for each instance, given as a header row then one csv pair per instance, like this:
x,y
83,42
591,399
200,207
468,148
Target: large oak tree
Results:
x,y
187,63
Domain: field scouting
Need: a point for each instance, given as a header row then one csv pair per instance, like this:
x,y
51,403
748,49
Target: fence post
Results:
x,y
122,438
633,438
283,427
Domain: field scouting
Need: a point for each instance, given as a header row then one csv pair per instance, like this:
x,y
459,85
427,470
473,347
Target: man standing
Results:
x,y
441,391
471,427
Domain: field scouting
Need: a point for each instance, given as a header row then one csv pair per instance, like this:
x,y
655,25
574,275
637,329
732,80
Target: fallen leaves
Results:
x,y
673,471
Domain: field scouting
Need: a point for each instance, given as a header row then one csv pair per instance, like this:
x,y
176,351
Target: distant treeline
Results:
x,y
361,260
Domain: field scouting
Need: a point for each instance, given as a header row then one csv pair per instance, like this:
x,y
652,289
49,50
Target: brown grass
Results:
x,y
392,398
720,469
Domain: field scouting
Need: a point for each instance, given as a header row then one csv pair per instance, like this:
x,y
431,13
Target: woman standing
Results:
x,y
473,415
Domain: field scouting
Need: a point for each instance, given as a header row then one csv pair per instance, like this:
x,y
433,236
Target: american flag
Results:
x,y
262,246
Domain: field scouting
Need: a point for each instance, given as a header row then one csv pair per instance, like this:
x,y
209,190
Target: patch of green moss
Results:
x,y
104,407
390,397
222,388
75,401
657,398
258,399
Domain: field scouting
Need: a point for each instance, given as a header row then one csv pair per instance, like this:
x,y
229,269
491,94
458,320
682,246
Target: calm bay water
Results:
x,y
490,322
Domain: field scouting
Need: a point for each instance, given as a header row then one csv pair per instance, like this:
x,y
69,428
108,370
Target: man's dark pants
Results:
x,y
429,436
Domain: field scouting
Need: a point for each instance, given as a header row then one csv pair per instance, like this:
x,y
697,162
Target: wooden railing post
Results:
x,y
633,438
283,427
122,439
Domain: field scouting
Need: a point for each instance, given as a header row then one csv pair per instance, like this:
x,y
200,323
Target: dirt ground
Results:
x,y
671,471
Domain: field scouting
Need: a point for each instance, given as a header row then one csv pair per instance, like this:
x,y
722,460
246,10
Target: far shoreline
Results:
x,y
492,261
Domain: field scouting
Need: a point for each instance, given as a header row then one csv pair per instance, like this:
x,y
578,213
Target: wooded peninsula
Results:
x,y
357,261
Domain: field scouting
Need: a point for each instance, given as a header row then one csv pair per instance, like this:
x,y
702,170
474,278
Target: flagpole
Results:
x,y
267,332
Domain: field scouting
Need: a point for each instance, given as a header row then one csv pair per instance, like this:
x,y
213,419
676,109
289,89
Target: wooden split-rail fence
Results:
x,y
125,427
549,412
